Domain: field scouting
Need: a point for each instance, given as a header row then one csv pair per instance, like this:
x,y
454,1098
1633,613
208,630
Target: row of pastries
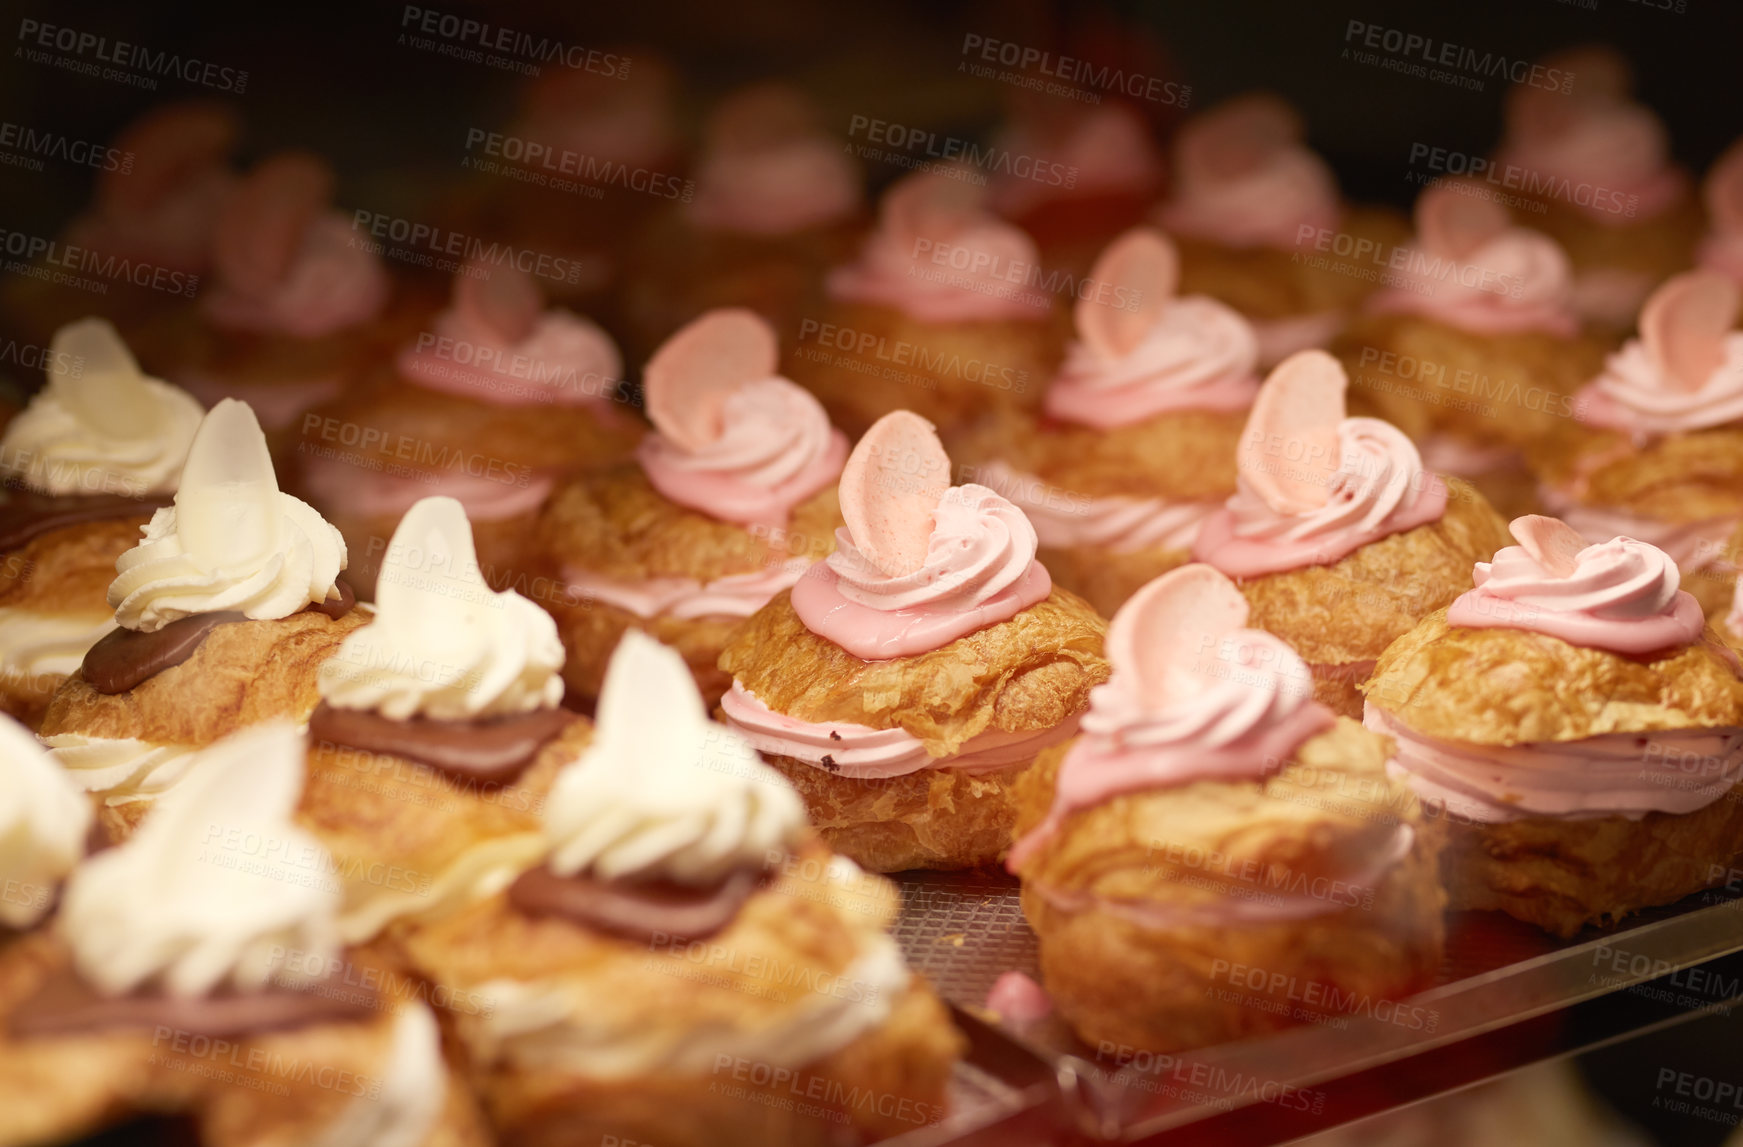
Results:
x,y
428,714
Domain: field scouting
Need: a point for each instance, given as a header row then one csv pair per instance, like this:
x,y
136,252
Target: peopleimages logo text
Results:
x,y
480,34
1440,53
133,57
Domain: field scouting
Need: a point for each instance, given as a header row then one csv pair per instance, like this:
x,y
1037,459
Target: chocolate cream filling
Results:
x,y
127,657
636,910
25,514
493,750
66,1005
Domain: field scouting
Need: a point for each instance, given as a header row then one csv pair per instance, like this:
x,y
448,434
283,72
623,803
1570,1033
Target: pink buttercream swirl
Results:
x,y
1105,151
860,752
775,449
943,260
1067,521
1200,355
1380,489
1519,280
980,569
1635,393
1237,717
565,360
1622,596
1265,205
788,187
1613,774
735,595
332,285
1614,146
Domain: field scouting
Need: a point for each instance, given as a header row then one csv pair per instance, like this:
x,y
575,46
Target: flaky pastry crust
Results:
x,y
1512,686
616,525
65,571
1658,247
1351,610
1317,825
1106,578
948,373
261,1088
1492,390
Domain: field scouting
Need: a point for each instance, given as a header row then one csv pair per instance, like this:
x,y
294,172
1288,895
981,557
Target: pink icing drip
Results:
x,y
1220,545
332,285
1622,596
564,361
1614,774
860,752
1520,280
1636,395
878,635
1099,767
1017,999
736,595
369,493
1200,355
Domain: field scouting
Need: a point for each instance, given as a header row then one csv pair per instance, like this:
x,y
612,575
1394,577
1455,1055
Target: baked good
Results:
x,y
608,1012
193,972
47,823
1652,450
726,504
224,611
946,311
1592,169
293,313
1254,209
1135,442
431,719
1473,348
1217,855
1338,535
909,678
496,400
85,464
777,202
1576,727
1721,248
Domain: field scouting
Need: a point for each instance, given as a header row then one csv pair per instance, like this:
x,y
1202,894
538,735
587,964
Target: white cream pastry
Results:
x,y
44,823
231,541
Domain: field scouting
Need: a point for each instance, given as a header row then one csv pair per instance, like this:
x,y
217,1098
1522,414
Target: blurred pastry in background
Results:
x,y
1255,212
946,311
86,463
1578,728
1473,348
496,400
1135,442
1722,247
726,504
1338,535
908,679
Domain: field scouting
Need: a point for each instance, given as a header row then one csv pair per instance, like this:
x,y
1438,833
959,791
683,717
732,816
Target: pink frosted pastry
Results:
x,y
1474,348
726,504
496,400
1653,448
946,311
1088,174
1136,443
1250,205
908,678
1596,171
1576,725
777,201
1206,743
1722,248
291,314
1338,535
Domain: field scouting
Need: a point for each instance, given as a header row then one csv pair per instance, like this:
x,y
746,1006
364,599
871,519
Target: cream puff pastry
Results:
x,y
727,503
194,972
688,966
86,463
1136,441
1577,725
224,611
1338,535
1214,819
910,677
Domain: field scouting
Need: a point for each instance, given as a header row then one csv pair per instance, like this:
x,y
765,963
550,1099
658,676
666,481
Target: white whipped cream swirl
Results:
x,y
43,825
